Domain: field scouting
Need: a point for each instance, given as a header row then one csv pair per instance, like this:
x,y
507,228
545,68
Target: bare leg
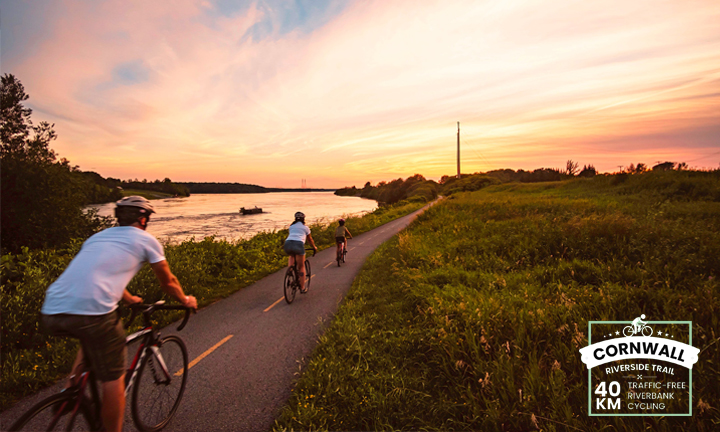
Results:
x,y
301,270
77,369
113,404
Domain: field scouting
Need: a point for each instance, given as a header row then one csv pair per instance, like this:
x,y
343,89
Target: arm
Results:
x,y
312,242
170,284
348,232
130,299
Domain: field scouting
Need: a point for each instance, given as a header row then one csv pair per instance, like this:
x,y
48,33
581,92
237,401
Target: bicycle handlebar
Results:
x,y
148,309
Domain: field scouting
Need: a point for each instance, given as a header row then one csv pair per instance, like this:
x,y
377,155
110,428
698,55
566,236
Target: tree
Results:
x,y
665,166
15,121
588,171
41,199
571,167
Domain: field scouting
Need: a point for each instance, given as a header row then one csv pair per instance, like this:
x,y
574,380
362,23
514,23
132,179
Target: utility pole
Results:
x,y
458,151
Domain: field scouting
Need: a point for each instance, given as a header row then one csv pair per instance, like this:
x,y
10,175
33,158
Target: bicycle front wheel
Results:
x,y
308,275
55,413
289,285
160,384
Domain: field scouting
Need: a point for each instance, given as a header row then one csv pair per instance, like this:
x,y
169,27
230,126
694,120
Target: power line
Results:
x,y
479,155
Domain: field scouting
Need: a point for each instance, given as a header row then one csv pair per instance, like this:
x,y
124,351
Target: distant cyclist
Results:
x,y
83,301
341,236
295,246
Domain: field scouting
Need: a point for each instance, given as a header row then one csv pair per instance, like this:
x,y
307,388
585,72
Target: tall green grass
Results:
x,y
472,318
209,269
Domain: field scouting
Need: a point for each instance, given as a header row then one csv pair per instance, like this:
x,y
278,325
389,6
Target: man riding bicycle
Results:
x,y
294,246
340,236
83,301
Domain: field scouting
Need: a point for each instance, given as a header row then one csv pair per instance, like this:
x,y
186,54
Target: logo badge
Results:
x,y
639,368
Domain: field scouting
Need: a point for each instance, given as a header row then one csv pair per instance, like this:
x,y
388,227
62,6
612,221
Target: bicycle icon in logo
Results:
x,y
638,327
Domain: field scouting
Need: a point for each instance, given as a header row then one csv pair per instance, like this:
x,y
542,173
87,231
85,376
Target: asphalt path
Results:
x,y
252,345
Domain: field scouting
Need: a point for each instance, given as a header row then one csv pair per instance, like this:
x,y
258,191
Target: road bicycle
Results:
x,y
291,284
340,256
644,330
156,375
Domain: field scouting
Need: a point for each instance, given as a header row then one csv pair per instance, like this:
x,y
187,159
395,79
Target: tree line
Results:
x,y
419,188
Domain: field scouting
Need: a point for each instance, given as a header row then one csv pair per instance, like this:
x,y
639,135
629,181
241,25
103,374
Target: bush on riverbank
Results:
x,y
473,317
209,269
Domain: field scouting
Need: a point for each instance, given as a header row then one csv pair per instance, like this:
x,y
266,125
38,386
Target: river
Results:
x,y
203,215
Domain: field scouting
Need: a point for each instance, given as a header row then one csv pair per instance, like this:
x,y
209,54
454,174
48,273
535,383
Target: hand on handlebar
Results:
x,y
191,302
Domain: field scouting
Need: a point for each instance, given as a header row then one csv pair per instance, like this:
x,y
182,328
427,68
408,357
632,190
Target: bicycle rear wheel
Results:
x,y
290,285
308,275
44,416
160,384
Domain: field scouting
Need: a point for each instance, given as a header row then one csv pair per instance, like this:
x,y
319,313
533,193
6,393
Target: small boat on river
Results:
x,y
247,211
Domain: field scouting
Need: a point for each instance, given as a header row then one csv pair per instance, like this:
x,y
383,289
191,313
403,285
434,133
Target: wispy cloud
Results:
x,y
268,92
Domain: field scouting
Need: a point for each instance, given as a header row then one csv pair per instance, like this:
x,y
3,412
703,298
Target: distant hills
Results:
x,y
208,188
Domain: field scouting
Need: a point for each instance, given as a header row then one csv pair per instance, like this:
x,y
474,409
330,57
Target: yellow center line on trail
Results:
x,y
273,305
205,354
329,264
281,298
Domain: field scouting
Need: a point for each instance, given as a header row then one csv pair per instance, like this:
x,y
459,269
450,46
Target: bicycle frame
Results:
x,y
131,374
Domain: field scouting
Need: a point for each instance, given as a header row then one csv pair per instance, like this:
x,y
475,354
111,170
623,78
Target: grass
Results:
x,y
473,317
209,269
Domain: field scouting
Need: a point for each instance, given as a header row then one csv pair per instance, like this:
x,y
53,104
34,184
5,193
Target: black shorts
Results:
x,y
339,240
102,338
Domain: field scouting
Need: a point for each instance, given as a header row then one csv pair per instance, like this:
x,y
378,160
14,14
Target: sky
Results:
x,y
343,92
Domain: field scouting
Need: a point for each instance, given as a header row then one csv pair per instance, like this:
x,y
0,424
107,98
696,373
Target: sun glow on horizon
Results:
x,y
341,93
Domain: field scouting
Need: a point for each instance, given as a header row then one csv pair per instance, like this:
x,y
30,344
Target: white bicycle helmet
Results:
x,y
137,201
299,215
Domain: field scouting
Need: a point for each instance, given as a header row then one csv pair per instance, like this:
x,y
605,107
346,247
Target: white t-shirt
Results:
x,y
298,231
94,282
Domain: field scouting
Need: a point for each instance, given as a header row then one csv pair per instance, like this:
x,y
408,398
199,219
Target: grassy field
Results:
x,y
209,269
473,317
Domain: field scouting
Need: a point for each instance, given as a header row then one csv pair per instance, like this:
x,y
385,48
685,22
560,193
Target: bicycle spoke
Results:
x,y
56,413
157,393
289,286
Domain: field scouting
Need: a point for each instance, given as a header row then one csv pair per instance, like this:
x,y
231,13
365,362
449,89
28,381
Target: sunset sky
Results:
x,y
344,92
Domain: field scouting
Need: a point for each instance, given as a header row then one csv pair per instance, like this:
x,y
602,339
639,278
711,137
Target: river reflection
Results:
x,y
203,215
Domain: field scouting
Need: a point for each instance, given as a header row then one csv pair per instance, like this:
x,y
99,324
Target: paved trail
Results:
x,y
253,344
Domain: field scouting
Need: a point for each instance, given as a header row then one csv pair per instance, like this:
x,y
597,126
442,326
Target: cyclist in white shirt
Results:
x,y
83,301
295,245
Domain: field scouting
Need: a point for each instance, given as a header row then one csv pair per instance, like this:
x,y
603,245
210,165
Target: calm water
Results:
x,y
203,215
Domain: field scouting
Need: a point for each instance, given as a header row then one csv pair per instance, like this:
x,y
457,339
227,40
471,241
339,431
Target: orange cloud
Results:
x,y
375,92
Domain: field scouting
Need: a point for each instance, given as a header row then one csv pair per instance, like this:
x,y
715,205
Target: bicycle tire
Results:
x,y
289,285
155,405
646,328
308,275
43,413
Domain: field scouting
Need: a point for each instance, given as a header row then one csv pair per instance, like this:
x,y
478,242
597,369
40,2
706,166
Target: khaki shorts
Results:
x,y
102,338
